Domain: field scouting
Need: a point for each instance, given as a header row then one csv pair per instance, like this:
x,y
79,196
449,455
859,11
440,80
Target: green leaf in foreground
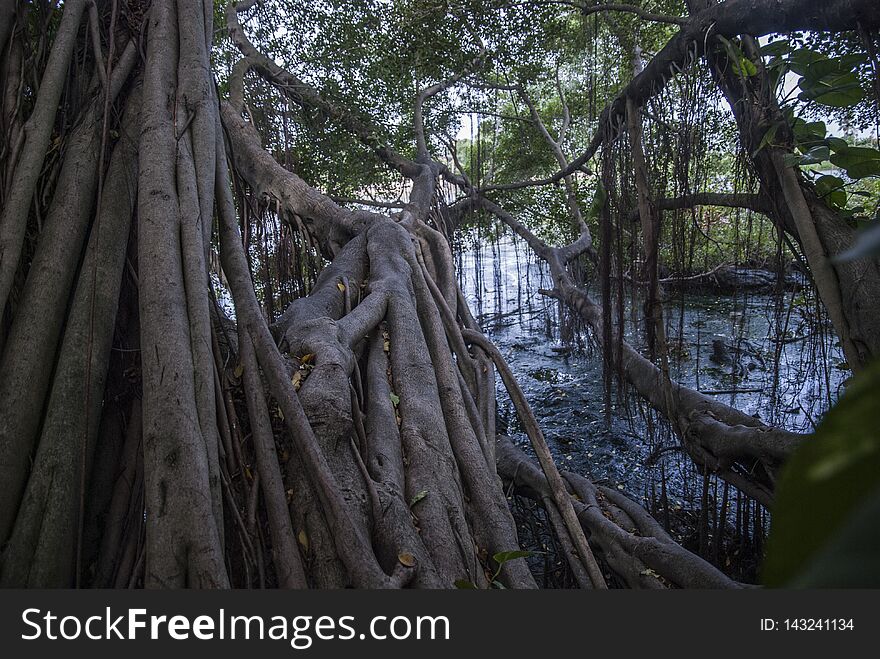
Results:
x,y
858,161
826,486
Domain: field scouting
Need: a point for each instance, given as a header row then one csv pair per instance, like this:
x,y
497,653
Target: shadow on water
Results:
x,y
766,354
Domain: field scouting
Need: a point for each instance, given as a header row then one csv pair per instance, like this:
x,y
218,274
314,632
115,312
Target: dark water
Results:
x,y
786,372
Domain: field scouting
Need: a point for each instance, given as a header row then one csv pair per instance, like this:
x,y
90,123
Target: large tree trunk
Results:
x,y
357,449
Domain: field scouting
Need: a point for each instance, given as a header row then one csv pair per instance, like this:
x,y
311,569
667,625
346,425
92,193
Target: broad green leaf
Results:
x,y
850,558
821,68
464,584
826,481
801,58
836,143
780,47
835,90
833,66
503,556
831,189
809,130
791,159
841,97
858,161
815,155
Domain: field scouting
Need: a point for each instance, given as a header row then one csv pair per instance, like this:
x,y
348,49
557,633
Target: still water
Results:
x,y
765,354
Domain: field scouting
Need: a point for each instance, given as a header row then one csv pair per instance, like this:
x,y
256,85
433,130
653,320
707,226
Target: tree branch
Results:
x,y
427,92
303,94
632,9
728,19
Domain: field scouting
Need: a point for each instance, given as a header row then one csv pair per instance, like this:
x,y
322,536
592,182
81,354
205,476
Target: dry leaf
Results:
x,y
406,559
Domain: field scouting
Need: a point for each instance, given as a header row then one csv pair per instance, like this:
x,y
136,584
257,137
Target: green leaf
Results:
x,y
464,584
804,131
395,399
821,68
826,481
840,97
777,48
418,497
850,558
791,159
767,139
835,90
744,67
836,143
503,556
831,189
815,155
858,161
801,58
599,200
834,66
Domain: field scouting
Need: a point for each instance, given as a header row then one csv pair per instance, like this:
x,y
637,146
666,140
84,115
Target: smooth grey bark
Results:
x,y
285,549
29,353
38,131
425,430
7,19
182,535
41,551
196,159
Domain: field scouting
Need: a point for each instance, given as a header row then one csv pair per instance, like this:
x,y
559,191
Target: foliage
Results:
x,y
500,559
831,79
852,49
826,515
